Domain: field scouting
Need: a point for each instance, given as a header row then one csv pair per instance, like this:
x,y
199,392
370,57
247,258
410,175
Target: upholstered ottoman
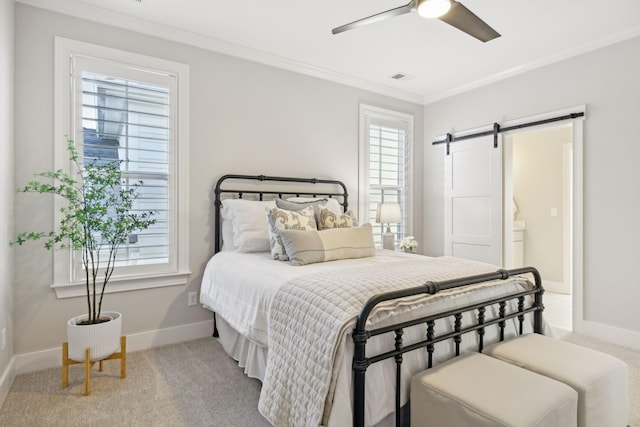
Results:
x,y
481,391
601,380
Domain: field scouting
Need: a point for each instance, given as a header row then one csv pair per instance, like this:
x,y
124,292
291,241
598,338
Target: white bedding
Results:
x,y
241,288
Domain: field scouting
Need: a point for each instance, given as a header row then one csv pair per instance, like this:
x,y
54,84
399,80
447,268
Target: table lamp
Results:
x,y
386,214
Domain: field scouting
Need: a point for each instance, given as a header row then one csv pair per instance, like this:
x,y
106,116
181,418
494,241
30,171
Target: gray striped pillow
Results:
x,y
308,247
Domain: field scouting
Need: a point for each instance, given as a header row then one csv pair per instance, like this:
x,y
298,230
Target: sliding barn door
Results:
x,y
473,200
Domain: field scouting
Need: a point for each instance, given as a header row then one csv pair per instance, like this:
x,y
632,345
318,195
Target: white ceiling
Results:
x,y
439,59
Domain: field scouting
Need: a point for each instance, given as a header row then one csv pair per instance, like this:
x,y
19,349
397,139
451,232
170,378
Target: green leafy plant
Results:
x,y
98,217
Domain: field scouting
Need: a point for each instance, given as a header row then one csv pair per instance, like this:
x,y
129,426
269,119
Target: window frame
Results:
x,y
176,272
367,113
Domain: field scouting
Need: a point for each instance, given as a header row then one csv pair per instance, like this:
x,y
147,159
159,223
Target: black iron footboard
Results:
x,y
361,335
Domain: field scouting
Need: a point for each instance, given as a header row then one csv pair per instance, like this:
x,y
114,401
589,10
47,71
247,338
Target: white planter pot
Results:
x,y
103,338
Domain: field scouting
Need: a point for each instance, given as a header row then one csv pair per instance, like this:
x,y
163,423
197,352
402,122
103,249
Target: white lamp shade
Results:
x,y
433,8
388,213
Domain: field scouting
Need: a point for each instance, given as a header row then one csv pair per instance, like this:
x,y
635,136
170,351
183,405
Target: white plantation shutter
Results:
x,y
130,108
130,121
386,172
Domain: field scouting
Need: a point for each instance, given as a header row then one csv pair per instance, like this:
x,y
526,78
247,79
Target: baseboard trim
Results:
x,y
6,380
52,358
610,334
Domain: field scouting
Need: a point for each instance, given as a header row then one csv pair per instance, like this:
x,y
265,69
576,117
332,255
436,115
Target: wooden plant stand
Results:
x,y
88,364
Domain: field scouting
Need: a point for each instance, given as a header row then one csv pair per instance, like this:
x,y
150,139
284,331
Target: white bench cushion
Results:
x,y
601,380
477,390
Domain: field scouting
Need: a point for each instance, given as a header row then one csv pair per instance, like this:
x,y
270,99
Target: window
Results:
x,y
385,167
121,106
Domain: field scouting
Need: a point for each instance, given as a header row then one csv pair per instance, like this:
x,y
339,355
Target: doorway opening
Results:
x,y
538,217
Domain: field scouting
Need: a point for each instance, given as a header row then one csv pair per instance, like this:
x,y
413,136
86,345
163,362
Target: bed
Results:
x,y
335,337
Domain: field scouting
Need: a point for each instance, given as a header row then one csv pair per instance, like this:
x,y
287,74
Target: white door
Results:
x,y
473,200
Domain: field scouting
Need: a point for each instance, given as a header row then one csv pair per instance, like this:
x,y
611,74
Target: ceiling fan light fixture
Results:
x,y
433,8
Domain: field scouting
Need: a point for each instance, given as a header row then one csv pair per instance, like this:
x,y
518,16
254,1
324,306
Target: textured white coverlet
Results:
x,y
310,316
240,286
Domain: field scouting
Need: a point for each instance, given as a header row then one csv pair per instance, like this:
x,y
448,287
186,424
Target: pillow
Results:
x,y
250,230
308,247
227,234
227,229
329,219
280,219
330,203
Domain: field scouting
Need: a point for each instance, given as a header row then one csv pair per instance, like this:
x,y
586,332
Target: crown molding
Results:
x,y
569,53
92,13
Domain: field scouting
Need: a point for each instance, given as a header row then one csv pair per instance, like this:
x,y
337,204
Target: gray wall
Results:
x,y
7,18
606,80
245,118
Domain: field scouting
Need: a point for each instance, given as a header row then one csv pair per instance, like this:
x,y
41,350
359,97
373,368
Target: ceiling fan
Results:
x,y
449,11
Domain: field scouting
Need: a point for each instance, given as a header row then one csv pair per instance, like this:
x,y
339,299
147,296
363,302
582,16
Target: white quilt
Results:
x,y
310,316
240,286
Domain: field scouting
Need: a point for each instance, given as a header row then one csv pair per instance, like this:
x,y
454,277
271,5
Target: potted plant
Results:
x,y
98,217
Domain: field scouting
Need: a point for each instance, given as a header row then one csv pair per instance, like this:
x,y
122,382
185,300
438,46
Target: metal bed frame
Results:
x,y
361,361
328,185
361,334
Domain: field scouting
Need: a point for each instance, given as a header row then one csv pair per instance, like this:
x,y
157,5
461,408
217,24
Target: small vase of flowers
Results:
x,y
409,244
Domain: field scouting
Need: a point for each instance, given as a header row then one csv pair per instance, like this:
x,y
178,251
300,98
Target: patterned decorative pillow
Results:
x,y
329,219
280,219
296,204
328,202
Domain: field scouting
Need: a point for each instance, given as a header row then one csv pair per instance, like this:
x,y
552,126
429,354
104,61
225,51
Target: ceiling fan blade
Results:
x,y
375,18
465,20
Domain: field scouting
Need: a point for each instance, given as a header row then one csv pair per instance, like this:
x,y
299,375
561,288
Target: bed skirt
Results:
x,y
249,355
252,358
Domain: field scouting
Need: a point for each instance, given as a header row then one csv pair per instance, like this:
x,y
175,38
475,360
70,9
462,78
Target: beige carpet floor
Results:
x,y
193,383
188,384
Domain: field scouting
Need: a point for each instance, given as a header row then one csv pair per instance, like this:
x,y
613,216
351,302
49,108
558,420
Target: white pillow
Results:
x,y
227,229
331,204
227,234
250,229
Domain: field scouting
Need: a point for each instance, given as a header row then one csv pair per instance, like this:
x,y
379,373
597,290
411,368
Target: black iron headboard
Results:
x,y
272,191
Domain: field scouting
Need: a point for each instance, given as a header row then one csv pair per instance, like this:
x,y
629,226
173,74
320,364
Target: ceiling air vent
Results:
x,y
401,76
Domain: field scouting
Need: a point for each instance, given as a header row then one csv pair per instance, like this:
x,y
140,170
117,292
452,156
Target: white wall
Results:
x,y
606,80
245,118
7,20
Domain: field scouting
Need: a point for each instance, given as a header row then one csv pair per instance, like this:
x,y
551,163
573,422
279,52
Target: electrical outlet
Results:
x,y
192,298
4,338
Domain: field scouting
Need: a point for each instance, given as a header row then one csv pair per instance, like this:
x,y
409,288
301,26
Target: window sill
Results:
x,y
123,285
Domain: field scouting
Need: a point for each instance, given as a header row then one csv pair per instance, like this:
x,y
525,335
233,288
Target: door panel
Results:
x,y
479,252
473,200
471,216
